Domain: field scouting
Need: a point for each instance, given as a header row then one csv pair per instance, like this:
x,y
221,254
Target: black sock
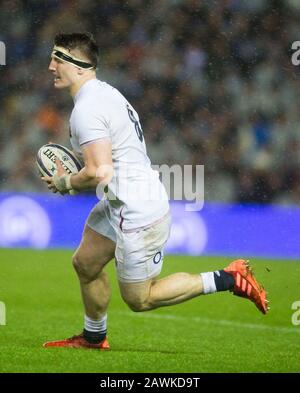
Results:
x,y
93,337
223,280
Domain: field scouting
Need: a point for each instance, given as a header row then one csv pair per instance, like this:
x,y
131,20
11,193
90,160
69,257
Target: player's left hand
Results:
x,y
60,182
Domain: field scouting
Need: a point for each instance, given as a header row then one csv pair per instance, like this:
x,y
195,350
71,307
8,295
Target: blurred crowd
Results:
x,y
212,81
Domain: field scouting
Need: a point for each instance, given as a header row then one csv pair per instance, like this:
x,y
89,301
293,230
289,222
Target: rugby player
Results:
x,y
132,221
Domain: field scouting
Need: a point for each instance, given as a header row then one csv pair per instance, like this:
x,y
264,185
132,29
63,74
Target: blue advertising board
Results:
x,y
51,221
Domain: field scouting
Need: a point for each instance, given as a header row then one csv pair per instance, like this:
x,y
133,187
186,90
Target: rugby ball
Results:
x,y
47,156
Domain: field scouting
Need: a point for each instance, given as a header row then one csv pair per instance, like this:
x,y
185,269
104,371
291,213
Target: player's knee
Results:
x,y
136,303
138,306
79,265
83,268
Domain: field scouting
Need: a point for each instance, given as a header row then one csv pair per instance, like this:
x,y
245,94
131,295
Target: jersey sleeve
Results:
x,y
90,125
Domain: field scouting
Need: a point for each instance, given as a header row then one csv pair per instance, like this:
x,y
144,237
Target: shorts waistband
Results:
x,y
168,214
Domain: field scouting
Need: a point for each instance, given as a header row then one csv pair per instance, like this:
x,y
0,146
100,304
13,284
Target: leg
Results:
x,y
179,287
93,253
150,294
139,261
96,249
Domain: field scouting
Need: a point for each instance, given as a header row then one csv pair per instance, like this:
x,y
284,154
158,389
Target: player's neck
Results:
x,y
75,87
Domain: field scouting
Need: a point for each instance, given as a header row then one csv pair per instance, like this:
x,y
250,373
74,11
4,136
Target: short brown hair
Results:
x,y
85,42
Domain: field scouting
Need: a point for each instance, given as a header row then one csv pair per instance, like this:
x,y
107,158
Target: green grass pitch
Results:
x,y
215,333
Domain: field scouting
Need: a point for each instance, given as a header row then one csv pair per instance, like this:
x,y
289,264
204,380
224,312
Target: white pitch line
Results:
x,y
216,322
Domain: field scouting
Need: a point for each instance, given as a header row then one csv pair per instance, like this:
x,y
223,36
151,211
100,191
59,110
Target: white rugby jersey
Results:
x,y
137,196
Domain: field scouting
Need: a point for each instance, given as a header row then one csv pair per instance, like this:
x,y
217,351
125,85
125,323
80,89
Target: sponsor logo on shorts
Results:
x,y
157,257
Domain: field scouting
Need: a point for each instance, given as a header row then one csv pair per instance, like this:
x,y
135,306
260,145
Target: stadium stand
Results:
x,y
213,83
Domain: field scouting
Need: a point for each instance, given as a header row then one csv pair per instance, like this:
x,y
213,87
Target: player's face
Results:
x,y
64,73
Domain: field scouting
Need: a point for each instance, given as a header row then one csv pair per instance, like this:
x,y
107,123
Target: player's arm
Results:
x,y
98,166
93,135
98,169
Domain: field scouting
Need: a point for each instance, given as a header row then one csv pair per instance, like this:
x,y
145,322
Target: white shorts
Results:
x,y
139,253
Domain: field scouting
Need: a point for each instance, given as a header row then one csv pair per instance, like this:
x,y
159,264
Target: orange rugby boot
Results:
x,y
78,342
245,284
